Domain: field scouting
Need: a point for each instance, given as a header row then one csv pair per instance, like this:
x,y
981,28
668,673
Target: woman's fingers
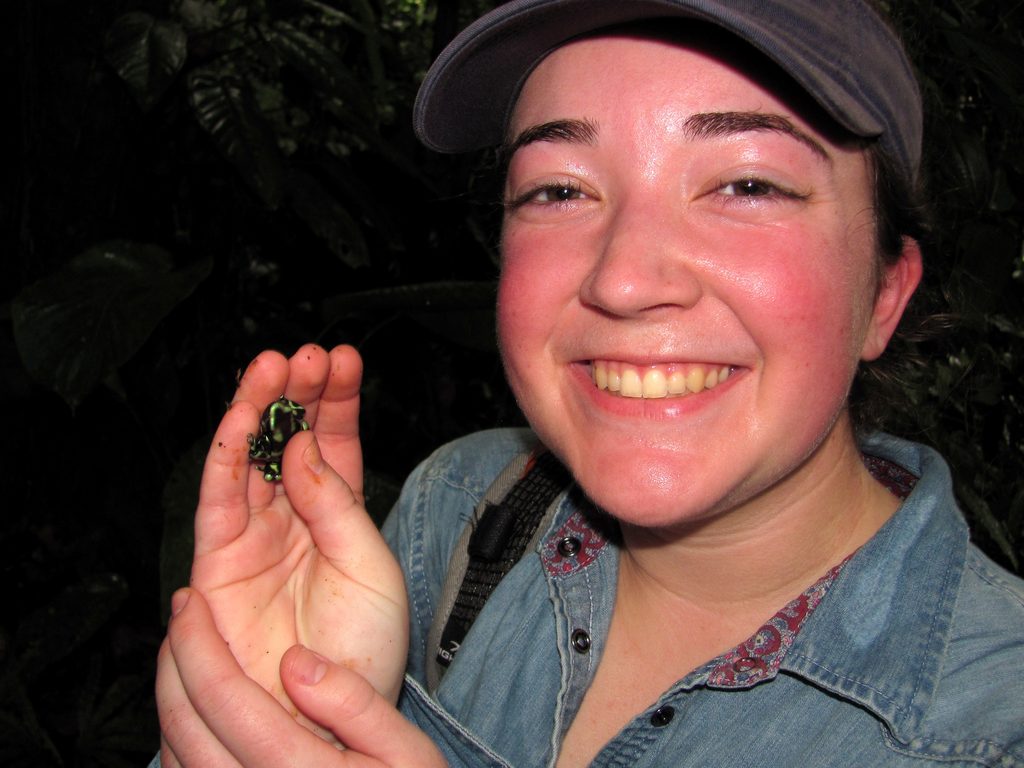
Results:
x,y
184,738
337,521
341,395
167,757
308,370
229,489
245,723
337,424
213,716
225,491
361,718
327,385
264,379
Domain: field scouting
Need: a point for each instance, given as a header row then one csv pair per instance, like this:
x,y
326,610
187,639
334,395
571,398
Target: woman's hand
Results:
x,y
298,562
214,716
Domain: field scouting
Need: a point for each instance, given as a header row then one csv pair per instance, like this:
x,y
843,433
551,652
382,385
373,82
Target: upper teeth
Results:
x,y
656,380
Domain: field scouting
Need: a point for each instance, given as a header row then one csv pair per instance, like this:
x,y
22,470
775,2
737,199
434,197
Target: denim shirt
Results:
x,y
914,655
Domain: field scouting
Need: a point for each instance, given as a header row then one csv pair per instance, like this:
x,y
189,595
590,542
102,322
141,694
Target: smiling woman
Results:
x,y
714,229
691,279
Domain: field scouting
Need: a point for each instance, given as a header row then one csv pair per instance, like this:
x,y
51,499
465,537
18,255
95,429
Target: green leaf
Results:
x,y
969,166
147,53
433,297
474,329
371,29
327,218
460,311
226,109
117,724
24,743
982,515
180,497
381,491
1000,61
330,12
60,626
77,325
321,66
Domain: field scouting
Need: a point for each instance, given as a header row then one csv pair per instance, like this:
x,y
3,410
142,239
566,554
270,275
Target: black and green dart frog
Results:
x,y
281,419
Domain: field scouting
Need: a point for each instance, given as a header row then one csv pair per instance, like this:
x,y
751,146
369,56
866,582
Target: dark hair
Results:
x,y
900,207
900,211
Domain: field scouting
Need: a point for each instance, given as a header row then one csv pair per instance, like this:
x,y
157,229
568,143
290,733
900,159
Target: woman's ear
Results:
x,y
898,282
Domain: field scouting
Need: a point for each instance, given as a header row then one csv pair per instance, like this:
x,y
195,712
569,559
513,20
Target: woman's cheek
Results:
x,y
536,283
514,299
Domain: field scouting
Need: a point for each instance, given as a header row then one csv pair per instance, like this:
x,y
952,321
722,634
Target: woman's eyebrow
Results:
x,y
707,125
701,125
573,131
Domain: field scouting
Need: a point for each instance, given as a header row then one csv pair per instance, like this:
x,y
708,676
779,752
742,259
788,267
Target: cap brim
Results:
x,y
839,51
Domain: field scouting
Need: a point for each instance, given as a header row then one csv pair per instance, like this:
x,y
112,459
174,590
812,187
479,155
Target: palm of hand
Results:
x,y
275,588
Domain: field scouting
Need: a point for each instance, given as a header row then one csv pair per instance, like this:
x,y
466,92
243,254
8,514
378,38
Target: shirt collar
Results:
x,y
879,637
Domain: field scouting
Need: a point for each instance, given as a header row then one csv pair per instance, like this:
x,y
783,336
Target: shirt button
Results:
x,y
580,641
568,546
662,716
749,664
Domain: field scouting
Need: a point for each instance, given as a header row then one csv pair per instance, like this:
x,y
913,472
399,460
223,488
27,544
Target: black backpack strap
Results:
x,y
503,526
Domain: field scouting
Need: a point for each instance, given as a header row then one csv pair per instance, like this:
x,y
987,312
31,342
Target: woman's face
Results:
x,y
675,232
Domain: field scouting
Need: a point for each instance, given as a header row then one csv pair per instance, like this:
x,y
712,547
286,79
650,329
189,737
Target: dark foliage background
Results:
x,y
190,181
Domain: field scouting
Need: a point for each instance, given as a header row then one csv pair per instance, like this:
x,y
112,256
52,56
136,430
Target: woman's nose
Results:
x,y
644,262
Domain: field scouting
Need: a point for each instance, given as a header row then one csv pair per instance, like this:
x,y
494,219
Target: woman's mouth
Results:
x,y
656,381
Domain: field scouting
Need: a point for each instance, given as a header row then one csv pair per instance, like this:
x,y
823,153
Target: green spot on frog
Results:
x,y
281,419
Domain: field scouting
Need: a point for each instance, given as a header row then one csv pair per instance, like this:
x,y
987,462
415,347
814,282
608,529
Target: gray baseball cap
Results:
x,y
839,51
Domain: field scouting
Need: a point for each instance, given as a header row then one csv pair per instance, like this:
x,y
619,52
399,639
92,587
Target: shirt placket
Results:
x,y
581,568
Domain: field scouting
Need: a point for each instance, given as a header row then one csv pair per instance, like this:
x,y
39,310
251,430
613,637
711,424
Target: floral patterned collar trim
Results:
x,y
581,539
760,656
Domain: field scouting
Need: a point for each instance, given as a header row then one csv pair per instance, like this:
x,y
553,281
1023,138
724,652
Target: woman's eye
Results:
x,y
749,188
558,194
548,194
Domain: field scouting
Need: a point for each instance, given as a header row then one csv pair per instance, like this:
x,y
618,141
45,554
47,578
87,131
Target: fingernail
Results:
x,y
179,600
309,667
313,458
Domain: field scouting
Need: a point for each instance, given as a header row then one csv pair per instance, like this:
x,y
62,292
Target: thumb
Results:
x,y
344,702
337,521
